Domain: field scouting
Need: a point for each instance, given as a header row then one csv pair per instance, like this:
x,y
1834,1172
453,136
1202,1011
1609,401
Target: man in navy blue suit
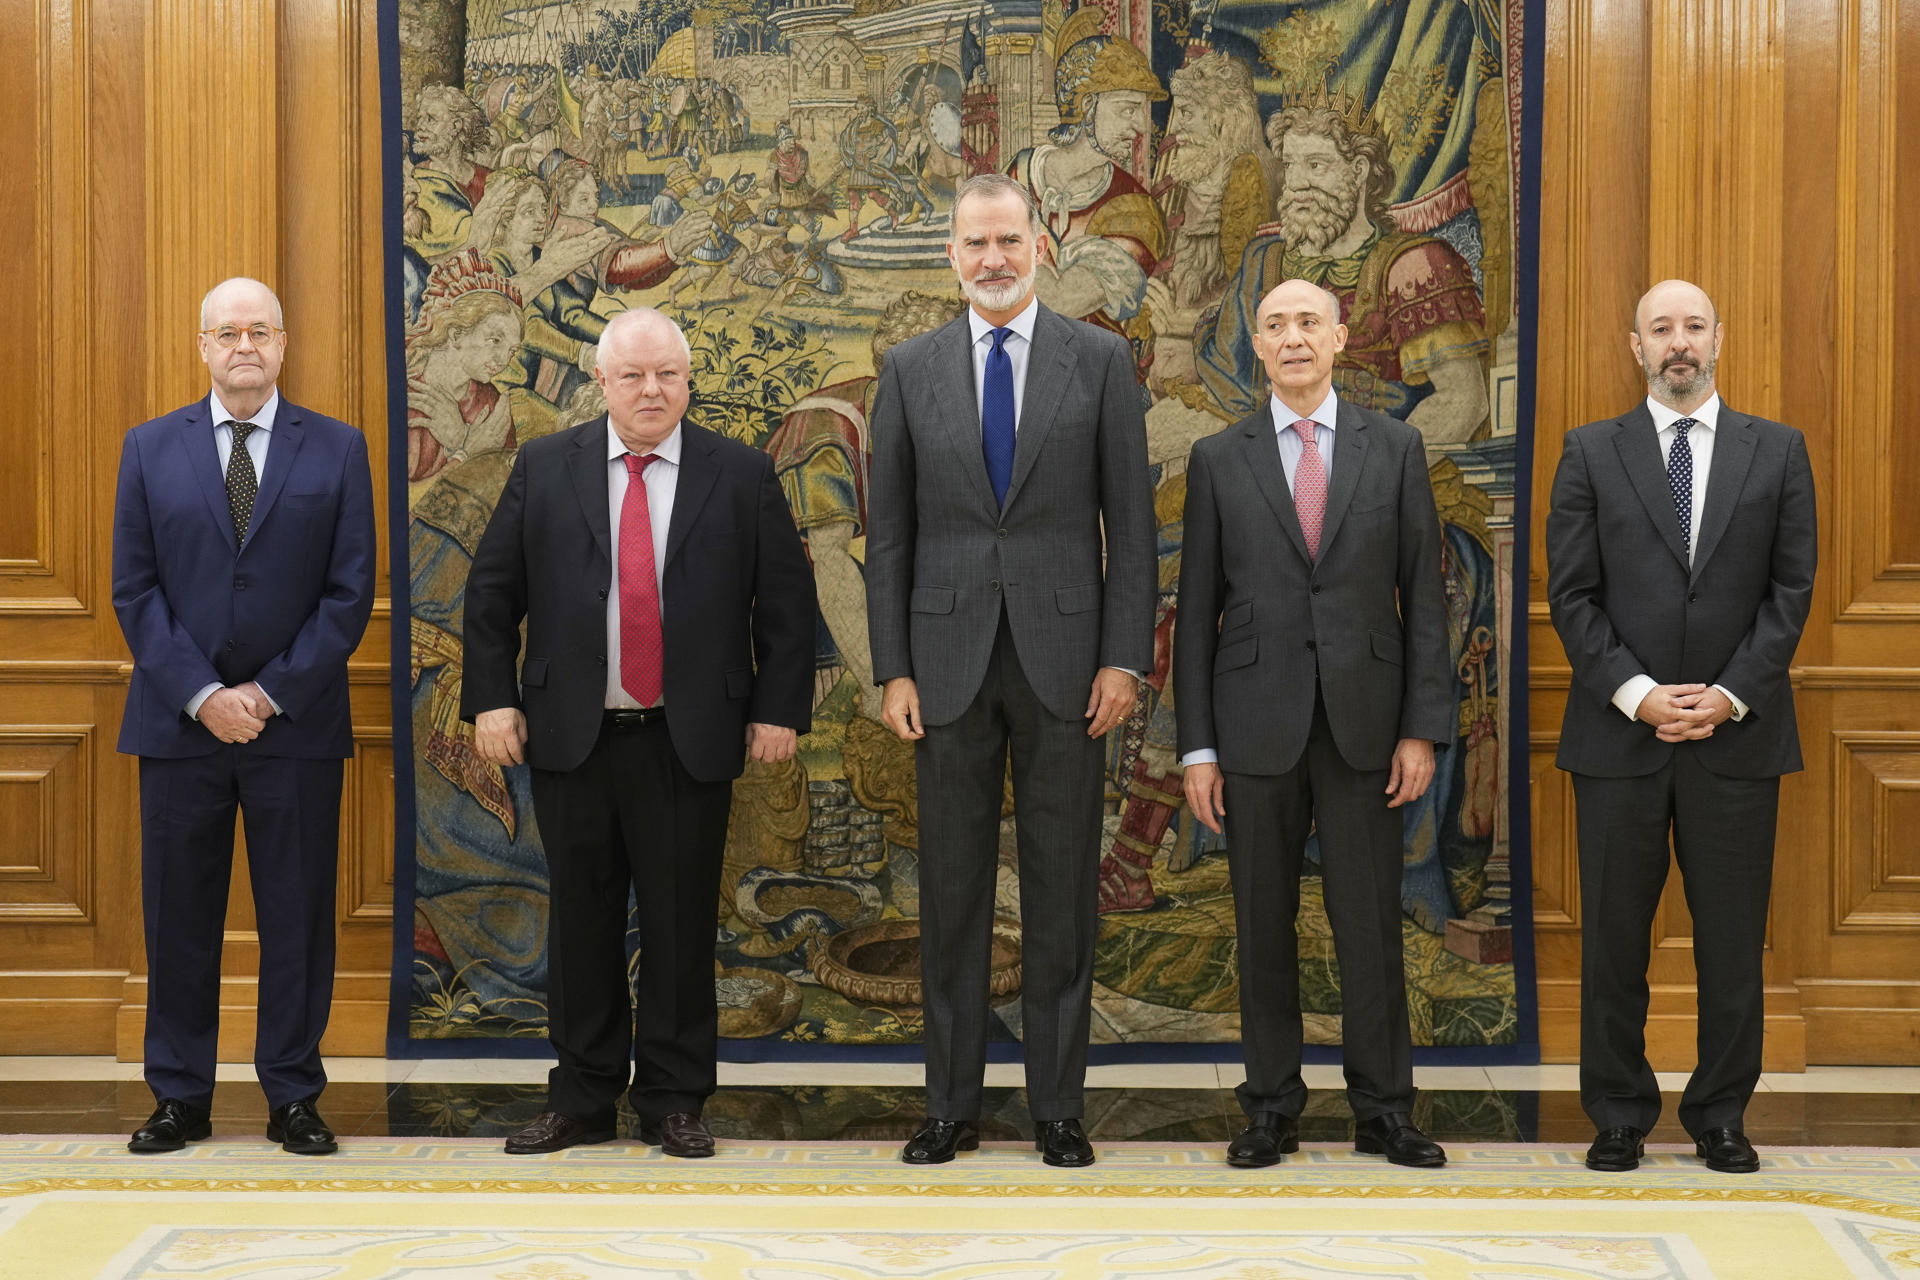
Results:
x,y
243,558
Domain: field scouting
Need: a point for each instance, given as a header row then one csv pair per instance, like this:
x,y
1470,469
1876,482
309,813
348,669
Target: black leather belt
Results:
x,y
622,719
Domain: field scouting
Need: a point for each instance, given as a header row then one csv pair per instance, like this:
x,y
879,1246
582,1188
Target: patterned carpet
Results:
x,y
406,1209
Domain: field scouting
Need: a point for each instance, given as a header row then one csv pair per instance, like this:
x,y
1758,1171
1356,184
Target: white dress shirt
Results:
x,y
1018,346
257,442
1292,449
1706,424
662,477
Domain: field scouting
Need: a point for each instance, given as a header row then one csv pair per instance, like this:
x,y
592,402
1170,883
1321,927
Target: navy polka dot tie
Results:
x,y
1680,476
242,485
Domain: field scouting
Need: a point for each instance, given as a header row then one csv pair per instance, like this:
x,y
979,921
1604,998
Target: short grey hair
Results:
x,y
994,186
634,318
206,301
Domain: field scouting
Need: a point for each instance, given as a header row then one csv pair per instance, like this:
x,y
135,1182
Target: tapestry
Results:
x,y
778,176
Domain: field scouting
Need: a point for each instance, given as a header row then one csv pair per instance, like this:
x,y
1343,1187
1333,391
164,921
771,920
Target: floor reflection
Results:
x,y
887,1114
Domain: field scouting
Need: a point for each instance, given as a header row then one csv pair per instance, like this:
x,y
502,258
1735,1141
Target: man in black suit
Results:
x,y
1312,682
1003,624
670,627
1680,560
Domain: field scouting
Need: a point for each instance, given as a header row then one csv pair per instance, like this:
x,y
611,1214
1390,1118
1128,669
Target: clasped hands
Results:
x,y
1684,712
237,713
500,738
1112,698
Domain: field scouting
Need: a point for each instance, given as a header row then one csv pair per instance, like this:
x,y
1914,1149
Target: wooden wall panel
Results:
x,y
1769,157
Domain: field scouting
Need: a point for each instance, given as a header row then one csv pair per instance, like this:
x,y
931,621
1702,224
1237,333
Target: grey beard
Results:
x,y
1312,229
996,295
1667,392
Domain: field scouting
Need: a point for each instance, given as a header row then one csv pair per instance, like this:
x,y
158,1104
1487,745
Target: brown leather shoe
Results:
x,y
682,1134
551,1131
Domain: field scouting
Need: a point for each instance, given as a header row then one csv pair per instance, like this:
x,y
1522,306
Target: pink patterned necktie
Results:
x,y
1310,488
642,651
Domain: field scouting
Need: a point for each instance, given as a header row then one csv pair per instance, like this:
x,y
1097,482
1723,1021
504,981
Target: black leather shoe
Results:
x,y
1062,1143
1393,1136
935,1141
682,1134
298,1128
1617,1150
1727,1151
172,1126
1263,1142
551,1131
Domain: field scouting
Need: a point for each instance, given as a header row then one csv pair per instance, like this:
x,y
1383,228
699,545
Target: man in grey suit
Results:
x,y
1311,683
1680,559
1002,443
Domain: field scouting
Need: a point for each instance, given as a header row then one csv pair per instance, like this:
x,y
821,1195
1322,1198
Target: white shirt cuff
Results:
x,y
193,707
1203,755
1630,695
1739,707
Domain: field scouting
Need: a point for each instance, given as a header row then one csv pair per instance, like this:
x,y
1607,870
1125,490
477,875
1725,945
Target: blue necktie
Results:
x,y
996,417
1680,476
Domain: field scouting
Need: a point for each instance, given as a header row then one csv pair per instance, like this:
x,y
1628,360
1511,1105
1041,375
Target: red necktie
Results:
x,y
642,652
1310,488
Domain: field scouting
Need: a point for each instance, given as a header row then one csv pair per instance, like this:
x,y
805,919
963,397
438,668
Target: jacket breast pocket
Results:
x,y
1240,653
306,501
932,600
1386,648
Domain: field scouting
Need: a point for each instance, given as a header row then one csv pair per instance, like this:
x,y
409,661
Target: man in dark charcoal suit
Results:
x,y
1680,559
243,558
1003,442
670,613
1311,682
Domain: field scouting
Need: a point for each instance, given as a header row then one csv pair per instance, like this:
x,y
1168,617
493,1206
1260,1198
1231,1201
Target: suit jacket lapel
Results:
x,y
698,471
1732,456
1049,369
203,456
959,414
283,448
587,461
1349,454
1261,448
1639,446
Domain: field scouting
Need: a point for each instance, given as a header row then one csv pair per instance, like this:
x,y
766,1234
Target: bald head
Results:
x,y
645,368
1676,338
642,320
1297,335
243,291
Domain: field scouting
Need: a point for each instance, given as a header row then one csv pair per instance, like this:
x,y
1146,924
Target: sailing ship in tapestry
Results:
x,y
779,177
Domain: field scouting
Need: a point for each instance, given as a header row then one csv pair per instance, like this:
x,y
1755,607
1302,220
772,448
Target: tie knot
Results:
x,y
637,462
241,430
1305,427
1000,336
1681,425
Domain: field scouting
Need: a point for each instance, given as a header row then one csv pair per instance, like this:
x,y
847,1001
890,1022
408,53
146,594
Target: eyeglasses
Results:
x,y
226,336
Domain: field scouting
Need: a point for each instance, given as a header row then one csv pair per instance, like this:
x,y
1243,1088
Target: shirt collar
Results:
x,y
1707,415
262,421
1022,324
667,450
1326,415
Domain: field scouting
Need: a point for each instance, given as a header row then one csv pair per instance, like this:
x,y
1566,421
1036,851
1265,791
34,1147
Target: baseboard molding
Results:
x,y
356,1028
1671,1026
64,1013
1862,1022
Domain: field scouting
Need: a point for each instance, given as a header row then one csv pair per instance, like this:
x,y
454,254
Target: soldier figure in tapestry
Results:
x,y
779,176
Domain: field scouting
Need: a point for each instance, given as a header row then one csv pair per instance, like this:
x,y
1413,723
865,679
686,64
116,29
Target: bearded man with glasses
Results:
x,y
243,558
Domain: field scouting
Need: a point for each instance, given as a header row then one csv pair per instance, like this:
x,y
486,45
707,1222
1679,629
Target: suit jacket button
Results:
x,y
999,533
995,584
603,593
599,659
1316,588
1692,596
239,584
1309,644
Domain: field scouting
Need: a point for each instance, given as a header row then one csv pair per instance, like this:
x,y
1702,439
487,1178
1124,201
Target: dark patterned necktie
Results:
x,y
1680,476
242,484
996,416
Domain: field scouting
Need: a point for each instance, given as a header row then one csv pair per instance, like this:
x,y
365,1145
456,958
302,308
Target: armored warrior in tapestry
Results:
x,y
779,175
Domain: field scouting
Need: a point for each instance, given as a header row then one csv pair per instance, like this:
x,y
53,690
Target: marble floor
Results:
x,y
1192,1102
